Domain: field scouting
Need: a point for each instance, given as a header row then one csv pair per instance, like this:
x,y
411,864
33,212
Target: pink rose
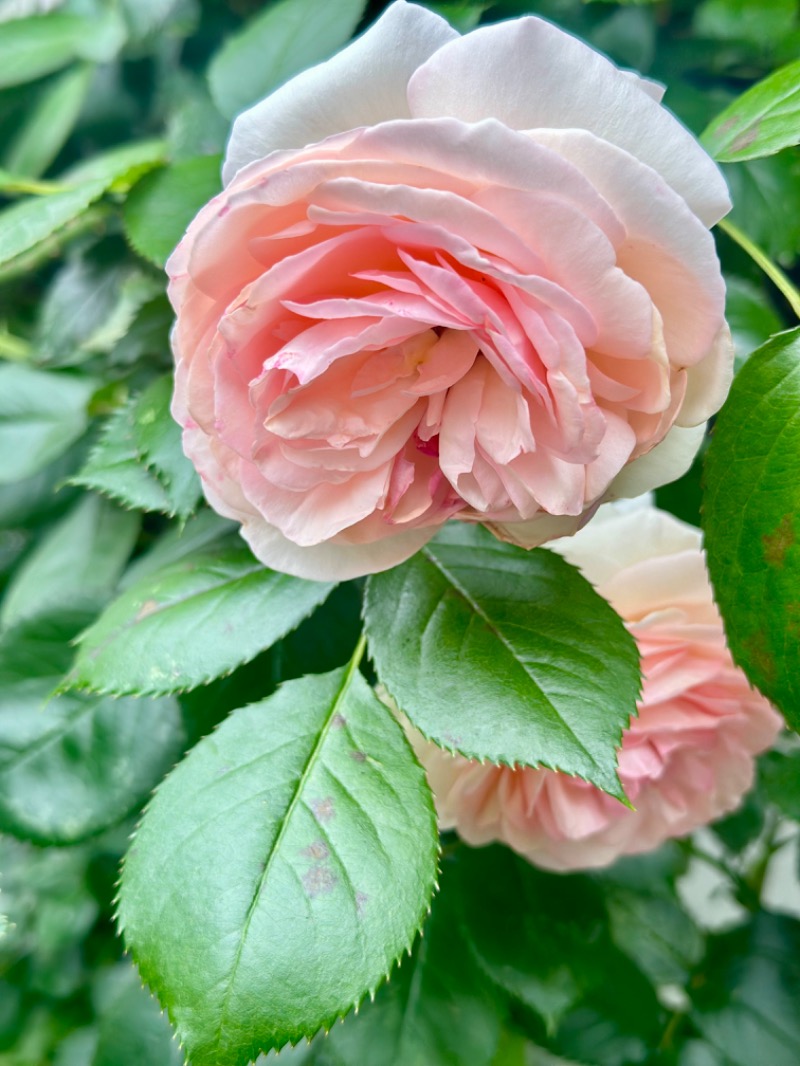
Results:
x,y
449,277
687,758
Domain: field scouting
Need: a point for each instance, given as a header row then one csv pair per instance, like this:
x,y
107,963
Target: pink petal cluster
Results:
x,y
449,277
688,757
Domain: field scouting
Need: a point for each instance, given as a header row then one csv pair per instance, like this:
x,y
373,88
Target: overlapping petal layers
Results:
x,y
449,277
687,758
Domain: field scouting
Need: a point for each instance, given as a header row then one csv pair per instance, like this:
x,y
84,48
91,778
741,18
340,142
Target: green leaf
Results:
x,y
163,204
746,1004
751,523
505,655
87,308
281,869
75,765
116,468
757,23
200,531
41,415
32,47
32,221
132,1029
157,440
50,123
193,621
779,775
766,203
42,495
40,646
435,1011
275,44
761,121
750,316
77,563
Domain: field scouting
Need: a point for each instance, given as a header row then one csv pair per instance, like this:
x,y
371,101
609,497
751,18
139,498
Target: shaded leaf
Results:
x,y
281,869
74,765
50,123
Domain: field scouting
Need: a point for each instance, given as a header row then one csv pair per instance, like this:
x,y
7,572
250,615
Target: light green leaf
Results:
x,y
281,869
193,621
74,765
41,415
116,468
77,563
50,123
157,440
158,211
200,531
34,220
505,655
761,121
751,519
32,47
287,37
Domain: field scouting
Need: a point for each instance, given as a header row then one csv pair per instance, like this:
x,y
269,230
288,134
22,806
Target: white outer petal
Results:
x,y
528,73
362,85
668,461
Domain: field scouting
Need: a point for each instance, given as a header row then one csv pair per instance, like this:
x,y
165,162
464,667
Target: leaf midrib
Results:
x,y
473,604
311,762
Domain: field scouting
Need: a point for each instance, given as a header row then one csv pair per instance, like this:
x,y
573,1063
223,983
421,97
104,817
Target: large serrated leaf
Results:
x,y
74,765
280,869
191,622
761,121
41,415
158,211
751,520
285,38
504,655
77,564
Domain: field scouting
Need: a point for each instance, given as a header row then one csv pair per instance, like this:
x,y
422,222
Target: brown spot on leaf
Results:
x,y
778,543
361,901
323,809
147,608
758,652
317,851
728,124
319,880
745,138
338,721
358,756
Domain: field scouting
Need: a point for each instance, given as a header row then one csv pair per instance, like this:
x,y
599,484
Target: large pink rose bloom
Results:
x,y
449,277
688,757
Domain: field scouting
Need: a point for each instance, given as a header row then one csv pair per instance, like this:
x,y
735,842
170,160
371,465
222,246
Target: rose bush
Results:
x,y
449,277
688,757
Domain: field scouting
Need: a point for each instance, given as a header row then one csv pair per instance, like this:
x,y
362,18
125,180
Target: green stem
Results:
x,y
357,656
772,270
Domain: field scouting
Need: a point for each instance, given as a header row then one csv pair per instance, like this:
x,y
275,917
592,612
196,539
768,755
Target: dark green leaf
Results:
x,y
761,122
132,1029
50,123
746,1004
199,532
42,495
193,621
505,655
280,869
74,765
779,775
164,203
41,415
766,203
287,37
436,1009
750,316
40,647
77,564
751,522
